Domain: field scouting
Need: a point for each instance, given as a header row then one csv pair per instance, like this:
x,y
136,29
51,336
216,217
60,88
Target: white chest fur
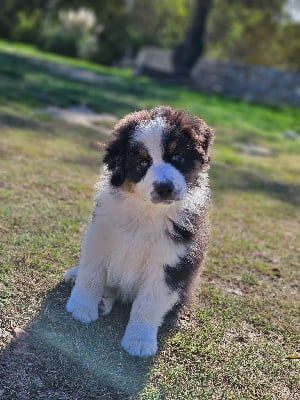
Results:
x,y
134,241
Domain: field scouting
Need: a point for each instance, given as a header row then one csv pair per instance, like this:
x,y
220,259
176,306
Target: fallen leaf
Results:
x,y
293,357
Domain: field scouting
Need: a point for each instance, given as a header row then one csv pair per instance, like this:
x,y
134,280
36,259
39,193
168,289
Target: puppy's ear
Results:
x,y
115,161
206,136
116,151
199,132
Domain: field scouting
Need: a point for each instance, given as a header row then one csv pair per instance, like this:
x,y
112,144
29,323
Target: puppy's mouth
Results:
x,y
155,199
158,201
168,201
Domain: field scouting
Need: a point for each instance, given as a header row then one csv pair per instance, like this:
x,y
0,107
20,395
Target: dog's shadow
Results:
x,y
70,357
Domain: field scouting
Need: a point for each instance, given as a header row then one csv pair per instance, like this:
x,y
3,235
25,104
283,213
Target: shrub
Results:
x,y
75,34
27,26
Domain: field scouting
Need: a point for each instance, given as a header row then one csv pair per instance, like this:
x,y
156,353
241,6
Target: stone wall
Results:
x,y
253,83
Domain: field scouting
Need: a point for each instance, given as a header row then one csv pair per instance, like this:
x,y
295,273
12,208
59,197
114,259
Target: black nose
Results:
x,y
164,189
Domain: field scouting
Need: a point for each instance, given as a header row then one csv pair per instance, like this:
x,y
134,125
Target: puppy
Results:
x,y
149,232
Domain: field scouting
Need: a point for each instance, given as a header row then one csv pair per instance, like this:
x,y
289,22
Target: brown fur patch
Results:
x,y
142,153
172,146
128,186
200,134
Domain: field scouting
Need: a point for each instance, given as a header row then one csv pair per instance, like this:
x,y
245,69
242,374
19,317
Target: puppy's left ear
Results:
x,y
203,136
197,129
206,136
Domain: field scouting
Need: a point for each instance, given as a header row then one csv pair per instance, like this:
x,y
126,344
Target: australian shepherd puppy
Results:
x,y
149,233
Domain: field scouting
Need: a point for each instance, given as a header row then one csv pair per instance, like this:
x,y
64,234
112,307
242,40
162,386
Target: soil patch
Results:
x,y
83,115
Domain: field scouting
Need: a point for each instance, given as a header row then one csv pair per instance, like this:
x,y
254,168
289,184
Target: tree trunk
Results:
x,y
186,53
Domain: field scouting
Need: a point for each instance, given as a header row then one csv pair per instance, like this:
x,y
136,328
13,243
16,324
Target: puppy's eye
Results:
x,y
178,157
143,163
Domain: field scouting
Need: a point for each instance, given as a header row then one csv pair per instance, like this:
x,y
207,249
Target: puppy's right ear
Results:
x,y
116,151
114,161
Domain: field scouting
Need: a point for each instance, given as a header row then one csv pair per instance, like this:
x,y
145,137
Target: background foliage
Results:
x,y
252,31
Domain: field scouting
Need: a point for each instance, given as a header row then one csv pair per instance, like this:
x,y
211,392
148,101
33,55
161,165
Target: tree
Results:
x,y
253,32
159,23
20,20
187,52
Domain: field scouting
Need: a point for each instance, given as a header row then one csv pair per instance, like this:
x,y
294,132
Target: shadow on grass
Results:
x,y
59,357
226,177
35,84
16,121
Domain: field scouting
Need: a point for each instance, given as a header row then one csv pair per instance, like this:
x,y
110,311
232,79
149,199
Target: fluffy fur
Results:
x,y
149,232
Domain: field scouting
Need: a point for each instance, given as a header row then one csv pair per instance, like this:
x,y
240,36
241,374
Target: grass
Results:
x,y
234,341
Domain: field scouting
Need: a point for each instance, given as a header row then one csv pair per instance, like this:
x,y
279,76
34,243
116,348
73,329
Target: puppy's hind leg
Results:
x,y
107,301
70,275
91,279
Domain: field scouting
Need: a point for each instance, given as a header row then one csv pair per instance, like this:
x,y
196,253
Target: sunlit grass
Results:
x,y
243,322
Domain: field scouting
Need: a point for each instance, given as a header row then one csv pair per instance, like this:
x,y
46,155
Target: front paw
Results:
x,y
83,310
141,342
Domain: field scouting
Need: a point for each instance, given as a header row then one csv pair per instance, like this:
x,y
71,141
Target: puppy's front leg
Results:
x,y
146,316
90,280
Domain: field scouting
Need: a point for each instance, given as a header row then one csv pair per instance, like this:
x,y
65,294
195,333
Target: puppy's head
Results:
x,y
158,154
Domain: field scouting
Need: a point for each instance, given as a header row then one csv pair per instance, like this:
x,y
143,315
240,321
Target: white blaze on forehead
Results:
x,y
150,133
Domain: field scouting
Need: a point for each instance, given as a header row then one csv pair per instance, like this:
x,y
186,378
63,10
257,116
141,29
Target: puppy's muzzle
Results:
x,y
164,192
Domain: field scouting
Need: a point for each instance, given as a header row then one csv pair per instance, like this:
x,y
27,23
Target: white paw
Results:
x,y
82,310
136,346
71,275
140,342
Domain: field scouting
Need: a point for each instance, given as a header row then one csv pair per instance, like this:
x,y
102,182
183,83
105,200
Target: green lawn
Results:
x,y
235,341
